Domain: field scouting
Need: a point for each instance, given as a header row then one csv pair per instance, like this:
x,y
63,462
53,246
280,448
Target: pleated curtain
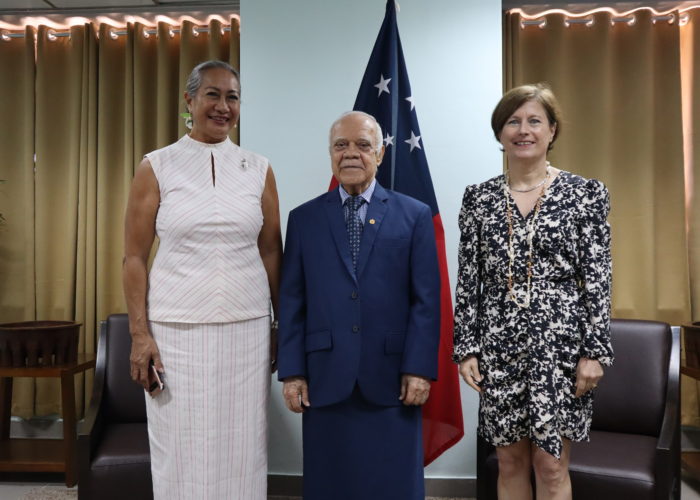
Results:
x,y
690,60
690,63
17,239
626,109
89,105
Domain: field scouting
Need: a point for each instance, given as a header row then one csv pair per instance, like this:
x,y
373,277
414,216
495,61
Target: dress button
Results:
x,y
353,295
355,328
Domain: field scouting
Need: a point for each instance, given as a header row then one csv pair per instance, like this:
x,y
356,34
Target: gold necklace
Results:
x,y
532,188
530,236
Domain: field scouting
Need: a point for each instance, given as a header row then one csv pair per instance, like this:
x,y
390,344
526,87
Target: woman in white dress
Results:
x,y
201,316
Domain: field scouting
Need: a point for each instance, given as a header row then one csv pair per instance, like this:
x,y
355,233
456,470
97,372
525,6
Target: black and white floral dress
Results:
x,y
528,356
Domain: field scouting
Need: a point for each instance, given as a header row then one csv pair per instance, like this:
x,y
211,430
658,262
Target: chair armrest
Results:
x,y
91,427
670,426
92,423
667,457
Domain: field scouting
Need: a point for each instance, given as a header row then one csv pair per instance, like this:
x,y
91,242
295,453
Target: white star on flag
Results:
x,y
413,141
410,99
388,140
383,85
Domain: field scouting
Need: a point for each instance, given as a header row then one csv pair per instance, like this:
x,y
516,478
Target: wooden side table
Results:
x,y
42,455
690,460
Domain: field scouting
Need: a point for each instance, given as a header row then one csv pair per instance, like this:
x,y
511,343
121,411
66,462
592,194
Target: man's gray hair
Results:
x,y
194,81
378,141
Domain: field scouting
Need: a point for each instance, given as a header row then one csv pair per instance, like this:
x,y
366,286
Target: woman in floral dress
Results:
x,y
532,317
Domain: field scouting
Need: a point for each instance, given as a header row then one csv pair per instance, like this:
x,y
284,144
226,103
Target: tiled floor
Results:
x,y
690,490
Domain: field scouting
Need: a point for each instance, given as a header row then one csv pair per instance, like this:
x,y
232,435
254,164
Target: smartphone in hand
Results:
x,y
155,378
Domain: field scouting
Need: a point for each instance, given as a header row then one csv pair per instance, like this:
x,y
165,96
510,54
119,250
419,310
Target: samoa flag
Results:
x,y
385,93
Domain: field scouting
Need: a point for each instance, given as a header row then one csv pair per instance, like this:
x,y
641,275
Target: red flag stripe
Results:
x,y
442,414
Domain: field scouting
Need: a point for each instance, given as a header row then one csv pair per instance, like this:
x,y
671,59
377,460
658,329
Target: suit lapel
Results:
x,y
376,212
336,221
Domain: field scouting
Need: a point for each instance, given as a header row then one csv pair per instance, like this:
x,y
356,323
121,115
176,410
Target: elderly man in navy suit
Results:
x,y
359,326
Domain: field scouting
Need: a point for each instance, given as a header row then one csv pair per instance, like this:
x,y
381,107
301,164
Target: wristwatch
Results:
x,y
275,325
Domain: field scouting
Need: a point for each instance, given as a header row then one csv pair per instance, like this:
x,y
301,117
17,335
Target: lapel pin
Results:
x,y
372,221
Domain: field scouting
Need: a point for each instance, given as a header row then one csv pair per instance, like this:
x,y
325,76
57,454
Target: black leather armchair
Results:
x,y
113,455
634,447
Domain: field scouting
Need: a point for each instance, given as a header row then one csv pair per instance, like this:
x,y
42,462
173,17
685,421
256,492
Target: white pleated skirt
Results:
x,y
208,429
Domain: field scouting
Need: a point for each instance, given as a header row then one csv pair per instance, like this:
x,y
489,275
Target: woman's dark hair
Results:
x,y
516,97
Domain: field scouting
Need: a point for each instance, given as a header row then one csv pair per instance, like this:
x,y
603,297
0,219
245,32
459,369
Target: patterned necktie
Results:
x,y
354,225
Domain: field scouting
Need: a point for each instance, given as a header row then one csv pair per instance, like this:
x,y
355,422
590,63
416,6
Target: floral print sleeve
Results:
x,y
595,273
466,339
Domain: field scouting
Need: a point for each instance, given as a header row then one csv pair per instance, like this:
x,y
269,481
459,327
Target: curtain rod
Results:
x,y
589,21
113,33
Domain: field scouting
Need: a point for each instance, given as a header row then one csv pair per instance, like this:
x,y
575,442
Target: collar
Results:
x,y
367,194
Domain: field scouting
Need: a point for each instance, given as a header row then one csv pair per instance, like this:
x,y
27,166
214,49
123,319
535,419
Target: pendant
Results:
x,y
520,298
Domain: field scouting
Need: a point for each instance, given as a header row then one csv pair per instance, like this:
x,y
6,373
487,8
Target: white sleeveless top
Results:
x,y
208,268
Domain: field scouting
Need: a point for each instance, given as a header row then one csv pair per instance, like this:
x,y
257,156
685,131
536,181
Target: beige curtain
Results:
x,y
620,88
64,208
17,264
690,64
690,60
101,102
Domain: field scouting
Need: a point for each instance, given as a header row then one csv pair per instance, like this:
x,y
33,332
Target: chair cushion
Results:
x,y
631,397
613,466
610,466
122,444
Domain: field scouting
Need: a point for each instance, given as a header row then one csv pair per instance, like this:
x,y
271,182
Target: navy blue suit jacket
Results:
x,y
337,329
